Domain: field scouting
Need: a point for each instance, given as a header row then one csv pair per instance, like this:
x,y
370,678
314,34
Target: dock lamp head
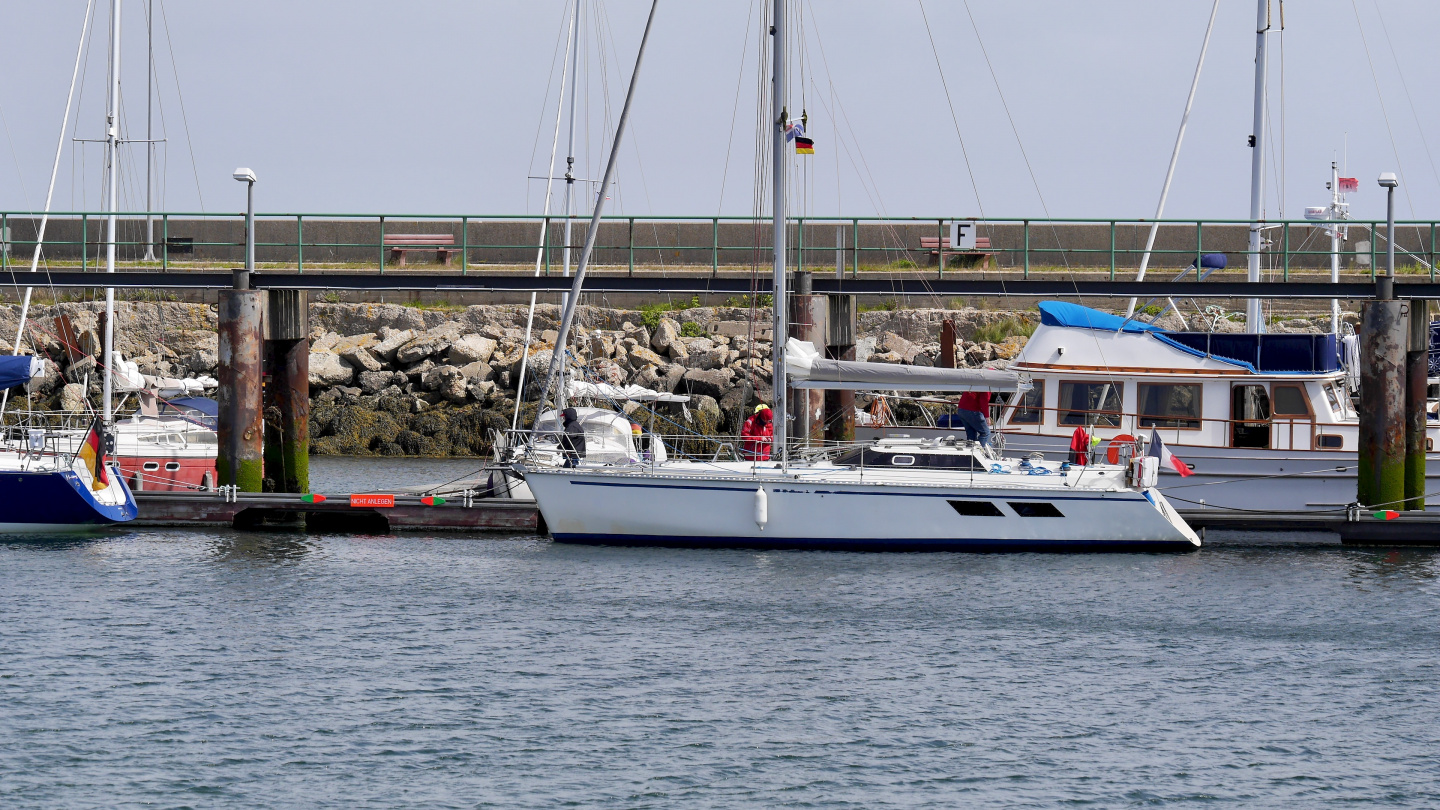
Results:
x,y
1387,180
248,176
242,277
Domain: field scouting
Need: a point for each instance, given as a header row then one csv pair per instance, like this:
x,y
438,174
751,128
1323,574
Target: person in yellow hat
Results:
x,y
757,434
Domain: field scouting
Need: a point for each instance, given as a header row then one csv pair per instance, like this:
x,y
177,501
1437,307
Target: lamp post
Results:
x,y
247,176
1385,288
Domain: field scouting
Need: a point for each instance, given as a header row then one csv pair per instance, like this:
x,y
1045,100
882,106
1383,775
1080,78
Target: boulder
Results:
x,y
428,343
391,340
72,397
416,373
670,377
1010,347
608,371
478,372
717,357
979,354
483,391
886,357
361,358
471,349
665,335
712,383
640,357
327,369
373,382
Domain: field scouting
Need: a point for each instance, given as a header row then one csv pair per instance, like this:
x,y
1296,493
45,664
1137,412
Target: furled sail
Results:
x,y
807,369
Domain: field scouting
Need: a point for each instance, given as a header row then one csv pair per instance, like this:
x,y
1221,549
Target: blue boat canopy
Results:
x,y
1271,354
1059,313
204,405
18,369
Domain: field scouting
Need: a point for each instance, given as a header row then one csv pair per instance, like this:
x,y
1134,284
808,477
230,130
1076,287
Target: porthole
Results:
x,y
172,466
151,466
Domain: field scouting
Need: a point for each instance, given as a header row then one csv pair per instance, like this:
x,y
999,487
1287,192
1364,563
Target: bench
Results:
x,y
980,256
401,243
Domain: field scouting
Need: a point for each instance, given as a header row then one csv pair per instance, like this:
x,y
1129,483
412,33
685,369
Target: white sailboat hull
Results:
x,y
720,509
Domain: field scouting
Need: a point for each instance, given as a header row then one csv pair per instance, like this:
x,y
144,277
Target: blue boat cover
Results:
x,y
1059,313
1212,261
15,369
1295,354
204,405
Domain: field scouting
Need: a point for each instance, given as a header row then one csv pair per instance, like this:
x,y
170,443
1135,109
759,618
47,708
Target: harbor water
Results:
x,y
175,668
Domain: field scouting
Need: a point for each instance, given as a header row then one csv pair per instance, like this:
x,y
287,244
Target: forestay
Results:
x,y
807,369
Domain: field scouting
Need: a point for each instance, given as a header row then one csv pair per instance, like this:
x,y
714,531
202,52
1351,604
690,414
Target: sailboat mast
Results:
x,y
112,141
779,179
1335,214
570,152
149,129
1253,319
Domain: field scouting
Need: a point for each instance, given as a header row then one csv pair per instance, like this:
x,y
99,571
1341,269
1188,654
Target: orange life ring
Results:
x,y
1112,451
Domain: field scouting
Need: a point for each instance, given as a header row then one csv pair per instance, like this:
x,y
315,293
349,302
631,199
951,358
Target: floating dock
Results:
x,y
1355,527
362,513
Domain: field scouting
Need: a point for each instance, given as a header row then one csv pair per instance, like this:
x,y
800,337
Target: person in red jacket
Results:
x,y
973,411
756,435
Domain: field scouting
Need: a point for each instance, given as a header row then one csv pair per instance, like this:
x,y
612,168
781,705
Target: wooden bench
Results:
x,y
981,255
401,243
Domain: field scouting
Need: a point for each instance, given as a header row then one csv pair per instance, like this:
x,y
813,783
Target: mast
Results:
x,y
112,141
1253,320
570,154
779,178
149,135
567,318
1335,214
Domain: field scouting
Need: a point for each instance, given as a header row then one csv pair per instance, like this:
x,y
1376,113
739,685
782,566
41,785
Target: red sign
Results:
x,y
372,500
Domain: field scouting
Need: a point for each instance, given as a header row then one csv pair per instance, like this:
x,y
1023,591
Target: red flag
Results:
x,y
1349,184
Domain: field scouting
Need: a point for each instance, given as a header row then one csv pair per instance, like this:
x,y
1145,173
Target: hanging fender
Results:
x,y
762,507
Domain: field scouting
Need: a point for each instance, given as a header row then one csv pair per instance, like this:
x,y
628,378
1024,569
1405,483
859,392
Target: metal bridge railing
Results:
x,y
846,245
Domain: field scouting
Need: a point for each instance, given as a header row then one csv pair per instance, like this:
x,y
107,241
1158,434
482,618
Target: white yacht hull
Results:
x,y
720,510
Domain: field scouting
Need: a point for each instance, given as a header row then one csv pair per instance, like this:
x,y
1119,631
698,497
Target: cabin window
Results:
x,y
1169,406
1030,407
1289,400
977,509
902,461
1329,442
1035,509
1090,403
1334,401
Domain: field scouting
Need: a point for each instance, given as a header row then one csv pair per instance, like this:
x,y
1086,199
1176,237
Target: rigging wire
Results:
x,y
545,100
1380,97
735,107
184,118
1408,98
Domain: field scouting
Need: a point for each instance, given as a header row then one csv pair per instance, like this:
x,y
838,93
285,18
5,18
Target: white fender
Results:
x,y
762,508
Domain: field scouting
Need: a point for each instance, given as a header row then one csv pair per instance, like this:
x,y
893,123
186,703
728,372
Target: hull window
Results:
x,y
1090,404
1170,406
977,509
1330,442
1035,509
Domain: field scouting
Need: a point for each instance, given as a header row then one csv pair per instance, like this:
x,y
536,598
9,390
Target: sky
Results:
x,y
1055,108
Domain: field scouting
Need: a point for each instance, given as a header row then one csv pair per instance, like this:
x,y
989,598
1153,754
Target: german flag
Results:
x,y
804,145
92,452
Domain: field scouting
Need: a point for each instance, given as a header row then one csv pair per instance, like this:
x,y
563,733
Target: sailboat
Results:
x,y
895,494
48,481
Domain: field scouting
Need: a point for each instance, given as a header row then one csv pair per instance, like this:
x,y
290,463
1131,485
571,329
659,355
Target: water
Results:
x,y
226,669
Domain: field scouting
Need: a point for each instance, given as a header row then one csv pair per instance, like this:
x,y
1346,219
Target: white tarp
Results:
x,y
807,369
619,393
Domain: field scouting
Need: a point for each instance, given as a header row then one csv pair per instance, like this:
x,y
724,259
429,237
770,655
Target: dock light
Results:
x,y
247,176
1385,285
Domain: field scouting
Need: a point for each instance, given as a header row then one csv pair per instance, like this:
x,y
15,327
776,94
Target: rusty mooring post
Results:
x,y
1417,368
808,314
947,344
840,345
287,391
241,425
1381,482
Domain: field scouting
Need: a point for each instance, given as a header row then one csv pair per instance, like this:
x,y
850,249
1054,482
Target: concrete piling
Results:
x,y
808,316
840,345
1381,480
287,392
241,423
1417,368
